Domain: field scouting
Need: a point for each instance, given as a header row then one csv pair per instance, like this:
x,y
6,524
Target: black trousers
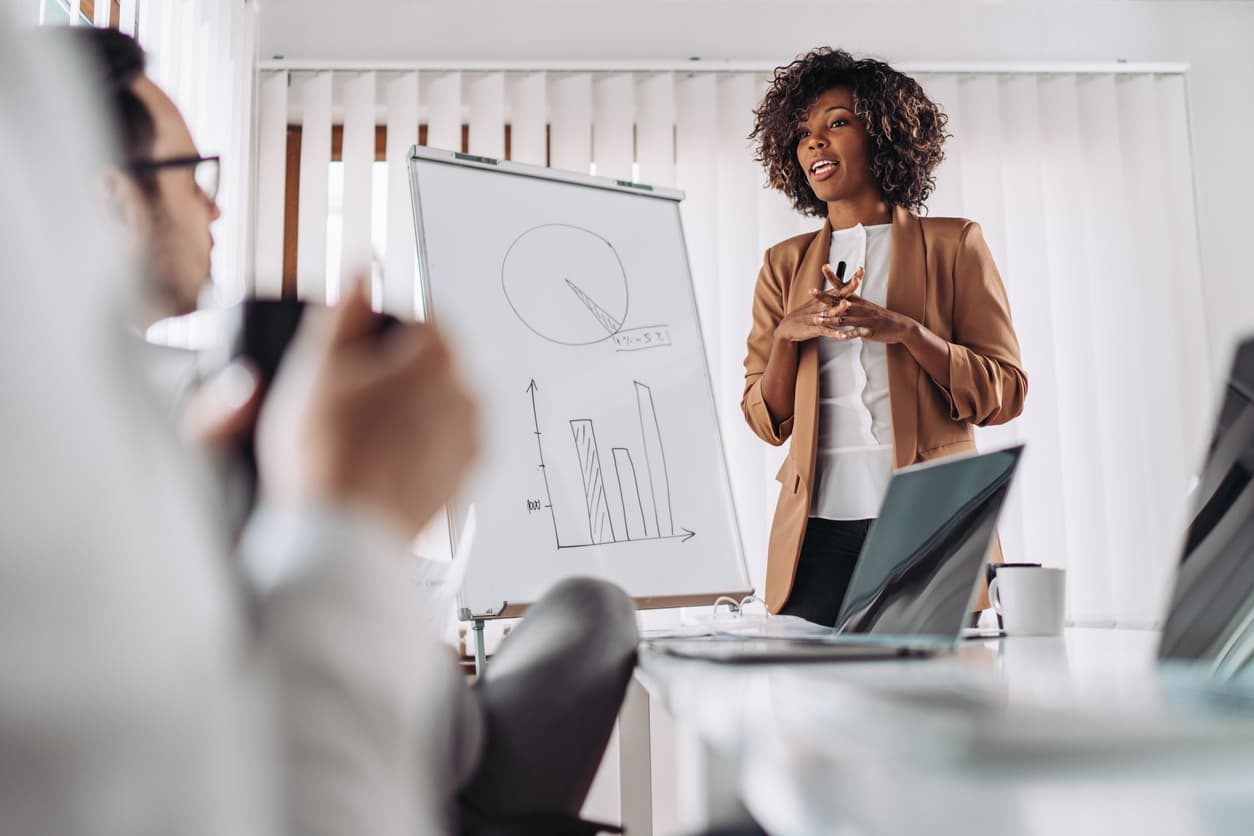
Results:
x,y
828,554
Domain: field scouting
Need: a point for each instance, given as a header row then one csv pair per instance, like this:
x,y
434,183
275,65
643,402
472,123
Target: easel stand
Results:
x,y
481,657
477,623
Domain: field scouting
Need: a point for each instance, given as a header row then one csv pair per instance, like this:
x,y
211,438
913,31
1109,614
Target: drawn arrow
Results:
x,y
548,494
683,538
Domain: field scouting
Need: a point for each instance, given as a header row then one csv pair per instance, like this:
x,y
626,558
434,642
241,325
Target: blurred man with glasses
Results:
x,y
164,193
348,474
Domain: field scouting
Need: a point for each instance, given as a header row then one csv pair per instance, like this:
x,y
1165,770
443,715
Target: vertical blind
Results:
x,y
1083,189
203,54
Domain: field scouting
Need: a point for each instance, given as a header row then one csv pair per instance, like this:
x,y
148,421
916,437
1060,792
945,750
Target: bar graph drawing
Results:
x,y
629,490
600,526
643,510
655,459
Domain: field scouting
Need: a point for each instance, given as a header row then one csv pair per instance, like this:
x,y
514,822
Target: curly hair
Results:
x,y
907,129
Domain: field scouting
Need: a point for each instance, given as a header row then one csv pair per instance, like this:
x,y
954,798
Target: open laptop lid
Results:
x,y
918,570
1211,618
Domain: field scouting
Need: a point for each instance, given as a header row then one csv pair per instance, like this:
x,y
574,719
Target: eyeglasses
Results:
x,y
206,171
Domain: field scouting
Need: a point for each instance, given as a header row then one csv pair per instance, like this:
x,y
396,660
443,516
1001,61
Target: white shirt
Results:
x,y
855,445
134,694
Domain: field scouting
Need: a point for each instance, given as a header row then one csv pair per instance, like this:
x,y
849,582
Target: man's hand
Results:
x,y
377,421
221,413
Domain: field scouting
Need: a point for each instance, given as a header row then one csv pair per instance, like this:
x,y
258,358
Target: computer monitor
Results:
x,y
1211,618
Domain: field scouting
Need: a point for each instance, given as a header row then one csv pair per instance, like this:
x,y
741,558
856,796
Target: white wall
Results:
x,y
1215,36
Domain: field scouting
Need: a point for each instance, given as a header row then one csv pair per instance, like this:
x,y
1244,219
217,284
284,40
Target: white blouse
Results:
x,y
855,445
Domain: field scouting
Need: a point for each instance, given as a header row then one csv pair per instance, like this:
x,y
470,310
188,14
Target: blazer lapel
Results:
x,y
810,272
806,400
907,294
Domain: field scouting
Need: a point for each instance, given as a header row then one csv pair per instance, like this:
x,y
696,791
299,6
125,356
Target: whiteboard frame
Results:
x,y
512,609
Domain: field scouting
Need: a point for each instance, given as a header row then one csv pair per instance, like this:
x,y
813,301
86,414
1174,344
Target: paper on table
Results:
x,y
772,627
439,581
678,631
699,622
743,626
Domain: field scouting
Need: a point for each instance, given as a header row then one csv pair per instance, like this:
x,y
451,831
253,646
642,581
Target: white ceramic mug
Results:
x,y
1029,599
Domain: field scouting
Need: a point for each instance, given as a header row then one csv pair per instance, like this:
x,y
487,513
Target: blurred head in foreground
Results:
x,y
160,188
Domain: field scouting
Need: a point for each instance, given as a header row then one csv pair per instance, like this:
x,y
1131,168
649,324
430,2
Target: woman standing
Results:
x,y
878,341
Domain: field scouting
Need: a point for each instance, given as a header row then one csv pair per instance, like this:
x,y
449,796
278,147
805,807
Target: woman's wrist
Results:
x,y
928,350
914,336
780,342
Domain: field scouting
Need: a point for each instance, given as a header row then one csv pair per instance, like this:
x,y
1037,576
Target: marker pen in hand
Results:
x,y
841,284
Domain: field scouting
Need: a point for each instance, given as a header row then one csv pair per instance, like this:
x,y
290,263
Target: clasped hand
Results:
x,y
841,314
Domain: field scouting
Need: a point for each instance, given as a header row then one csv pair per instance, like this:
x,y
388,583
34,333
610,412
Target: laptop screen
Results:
x,y
1211,618
918,569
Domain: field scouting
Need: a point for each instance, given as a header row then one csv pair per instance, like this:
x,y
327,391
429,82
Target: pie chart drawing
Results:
x,y
566,284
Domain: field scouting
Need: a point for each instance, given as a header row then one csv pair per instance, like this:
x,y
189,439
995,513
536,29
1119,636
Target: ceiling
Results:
x,y
673,30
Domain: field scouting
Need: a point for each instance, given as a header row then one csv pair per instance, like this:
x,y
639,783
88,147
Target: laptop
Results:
x,y
1210,623
916,576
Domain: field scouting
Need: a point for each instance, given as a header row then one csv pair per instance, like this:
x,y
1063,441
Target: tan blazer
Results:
x,y
941,274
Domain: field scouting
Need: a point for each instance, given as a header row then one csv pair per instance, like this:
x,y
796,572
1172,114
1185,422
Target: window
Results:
x,y
56,12
378,234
